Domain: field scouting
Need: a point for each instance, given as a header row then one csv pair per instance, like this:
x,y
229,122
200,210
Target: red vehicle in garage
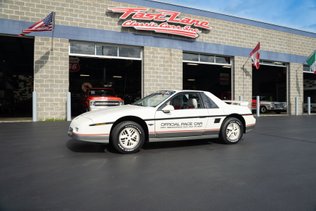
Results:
x,y
98,98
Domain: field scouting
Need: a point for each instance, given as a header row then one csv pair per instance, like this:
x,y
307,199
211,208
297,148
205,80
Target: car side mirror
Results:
x,y
168,108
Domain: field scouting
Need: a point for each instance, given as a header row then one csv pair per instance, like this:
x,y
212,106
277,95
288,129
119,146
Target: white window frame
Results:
x,y
104,56
211,63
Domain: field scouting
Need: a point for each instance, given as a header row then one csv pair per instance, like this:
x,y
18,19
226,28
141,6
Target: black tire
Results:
x,y
232,131
263,109
127,137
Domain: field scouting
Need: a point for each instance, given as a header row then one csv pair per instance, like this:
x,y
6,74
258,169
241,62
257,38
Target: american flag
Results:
x,y
47,24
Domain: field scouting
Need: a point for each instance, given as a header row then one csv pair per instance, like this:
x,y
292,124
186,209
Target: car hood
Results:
x,y
111,114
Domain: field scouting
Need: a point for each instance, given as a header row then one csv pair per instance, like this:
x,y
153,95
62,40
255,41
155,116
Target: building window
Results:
x,y
104,50
107,50
206,59
209,59
190,57
129,52
273,63
307,69
222,60
82,48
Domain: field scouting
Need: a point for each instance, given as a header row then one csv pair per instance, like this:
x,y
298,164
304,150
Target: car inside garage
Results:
x,y
122,76
270,83
115,69
104,67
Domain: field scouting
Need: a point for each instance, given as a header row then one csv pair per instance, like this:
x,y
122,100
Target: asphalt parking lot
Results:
x,y
273,168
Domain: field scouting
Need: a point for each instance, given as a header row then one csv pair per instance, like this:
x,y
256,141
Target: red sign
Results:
x,y
74,65
161,21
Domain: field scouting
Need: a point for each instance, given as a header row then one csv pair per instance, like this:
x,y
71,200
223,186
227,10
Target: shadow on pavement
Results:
x,y
179,144
80,146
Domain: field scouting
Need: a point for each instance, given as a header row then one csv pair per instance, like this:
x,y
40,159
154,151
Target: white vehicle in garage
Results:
x,y
164,116
266,106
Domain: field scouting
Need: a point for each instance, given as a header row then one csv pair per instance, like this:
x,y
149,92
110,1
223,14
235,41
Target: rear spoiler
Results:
x,y
240,103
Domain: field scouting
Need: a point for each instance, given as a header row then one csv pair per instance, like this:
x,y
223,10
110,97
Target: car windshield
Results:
x,y
101,92
154,99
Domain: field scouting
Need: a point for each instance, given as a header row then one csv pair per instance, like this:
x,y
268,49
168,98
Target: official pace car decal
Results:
x,y
169,125
161,21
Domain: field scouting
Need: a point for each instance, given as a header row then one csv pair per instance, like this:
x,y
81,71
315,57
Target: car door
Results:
x,y
189,117
215,118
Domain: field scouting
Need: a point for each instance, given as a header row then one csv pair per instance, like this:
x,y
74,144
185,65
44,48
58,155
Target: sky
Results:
x,y
298,14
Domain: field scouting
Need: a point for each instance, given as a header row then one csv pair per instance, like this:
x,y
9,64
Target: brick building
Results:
x,y
90,45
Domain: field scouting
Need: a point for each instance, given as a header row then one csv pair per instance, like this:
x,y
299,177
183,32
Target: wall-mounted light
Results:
x,y
84,75
191,79
117,76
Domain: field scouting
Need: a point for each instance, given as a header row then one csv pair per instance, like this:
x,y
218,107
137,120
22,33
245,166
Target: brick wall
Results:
x,y
296,88
242,79
162,69
91,14
51,77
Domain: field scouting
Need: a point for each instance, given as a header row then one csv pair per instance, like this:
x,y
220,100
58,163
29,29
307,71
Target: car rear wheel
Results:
x,y
263,109
231,131
127,137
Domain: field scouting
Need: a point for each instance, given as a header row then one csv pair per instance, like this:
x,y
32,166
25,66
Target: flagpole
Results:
x,y
256,49
243,76
243,66
53,31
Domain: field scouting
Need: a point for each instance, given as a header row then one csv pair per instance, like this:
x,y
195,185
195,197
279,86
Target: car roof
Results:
x,y
185,90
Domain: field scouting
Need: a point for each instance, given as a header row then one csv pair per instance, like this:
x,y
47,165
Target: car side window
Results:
x,y
208,102
186,101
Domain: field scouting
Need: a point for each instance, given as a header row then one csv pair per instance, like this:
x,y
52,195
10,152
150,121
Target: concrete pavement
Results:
x,y
273,168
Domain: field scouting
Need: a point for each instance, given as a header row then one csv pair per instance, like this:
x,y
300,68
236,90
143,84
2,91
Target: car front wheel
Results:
x,y
127,137
231,131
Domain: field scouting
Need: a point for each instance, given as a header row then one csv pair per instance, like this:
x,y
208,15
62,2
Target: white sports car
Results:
x,y
164,116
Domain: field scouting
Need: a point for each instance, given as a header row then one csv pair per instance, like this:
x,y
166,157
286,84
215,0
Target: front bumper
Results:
x,y
97,105
81,129
96,138
278,108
